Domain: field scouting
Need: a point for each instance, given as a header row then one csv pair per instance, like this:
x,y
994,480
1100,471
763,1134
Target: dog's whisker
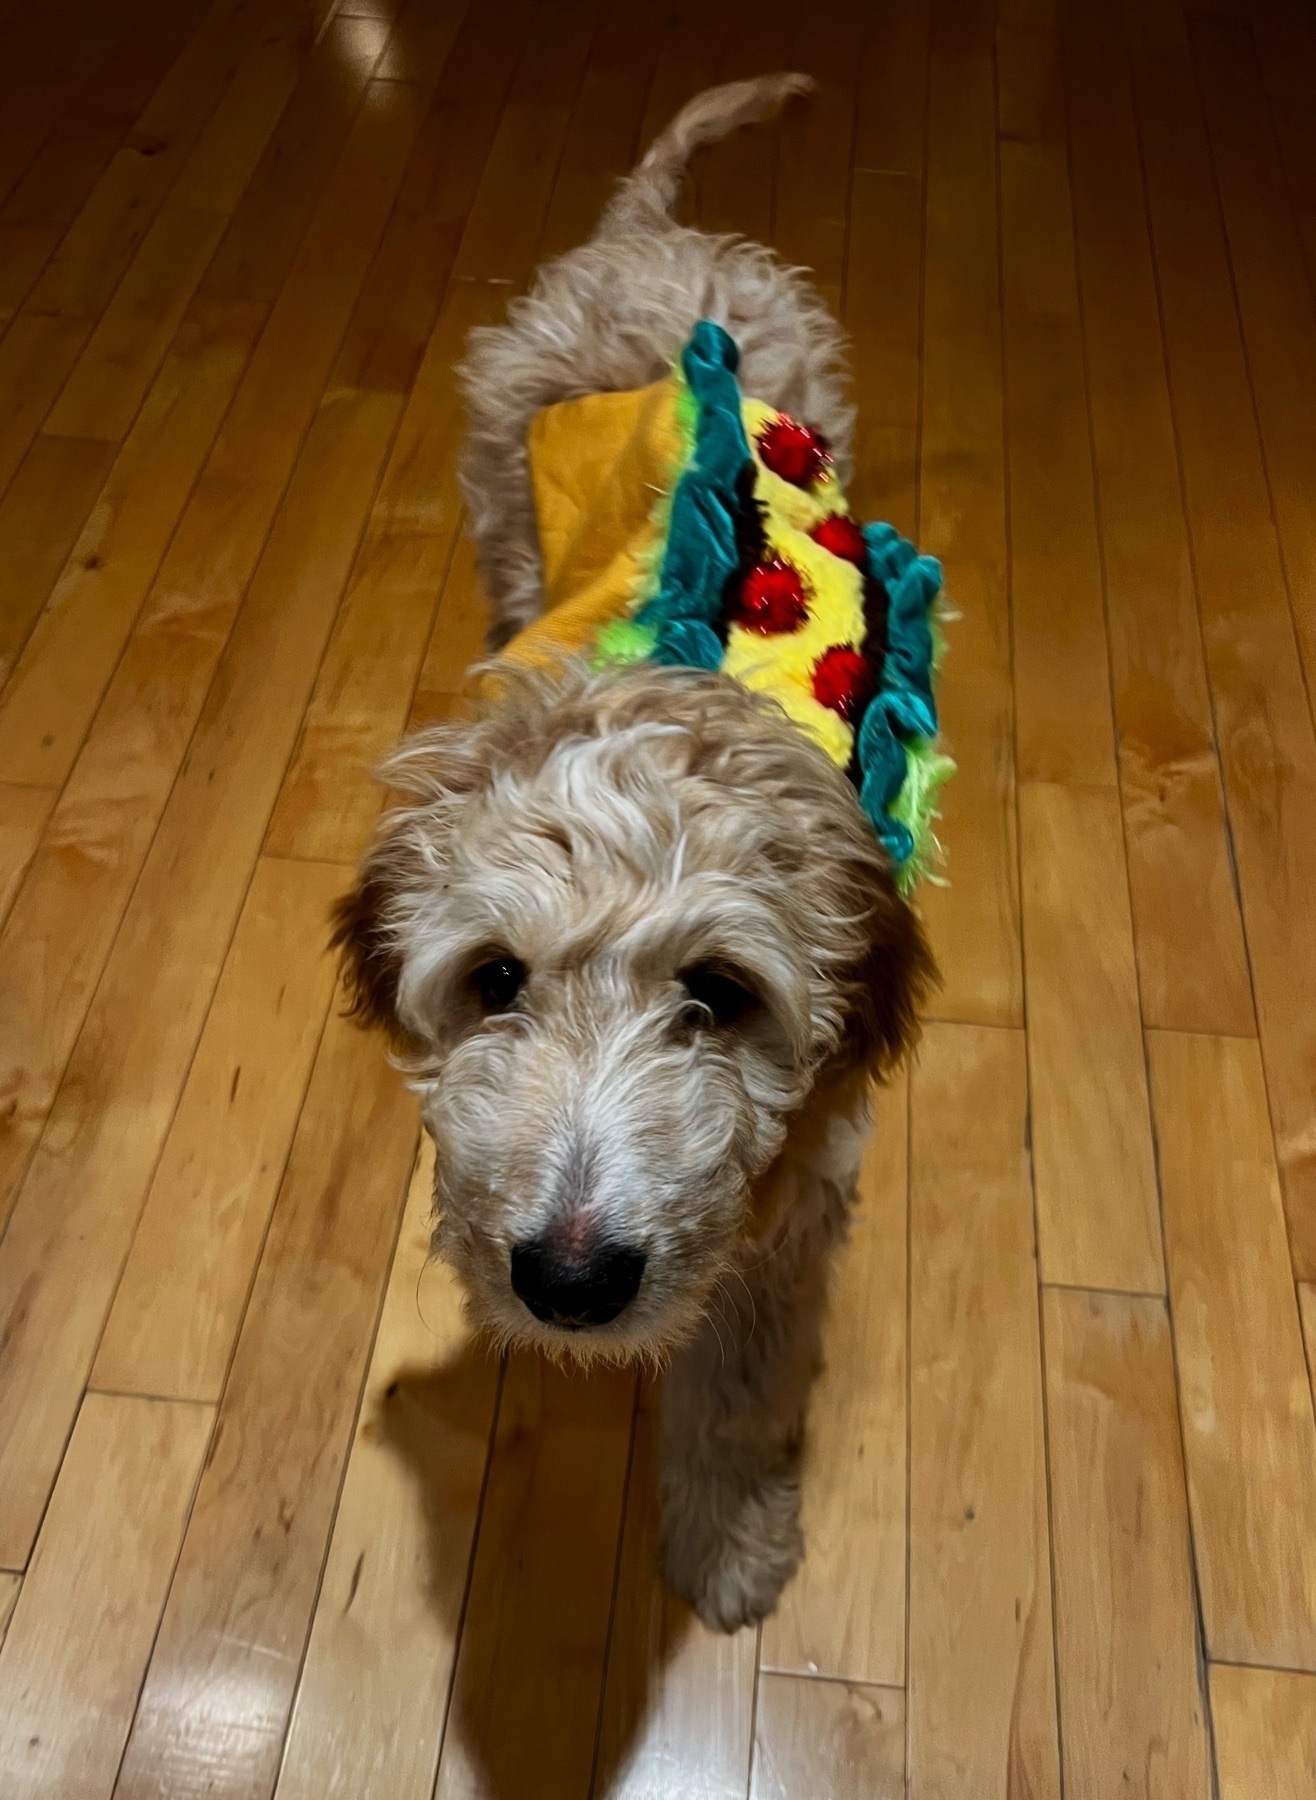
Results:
x,y
753,1309
713,1315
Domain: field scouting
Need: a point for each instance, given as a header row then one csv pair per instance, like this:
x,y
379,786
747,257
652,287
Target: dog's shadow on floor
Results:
x,y
553,1593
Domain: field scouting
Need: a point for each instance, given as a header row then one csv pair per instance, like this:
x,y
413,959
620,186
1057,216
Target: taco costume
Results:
x,y
687,524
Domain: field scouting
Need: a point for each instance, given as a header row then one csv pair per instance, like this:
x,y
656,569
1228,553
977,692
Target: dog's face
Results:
x,y
621,929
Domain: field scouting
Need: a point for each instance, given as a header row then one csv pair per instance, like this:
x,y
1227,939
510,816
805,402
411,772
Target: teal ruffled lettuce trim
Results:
x,y
901,770
626,640
701,538
895,743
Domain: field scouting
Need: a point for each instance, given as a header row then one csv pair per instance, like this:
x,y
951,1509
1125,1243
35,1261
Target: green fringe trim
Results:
x,y
927,770
624,640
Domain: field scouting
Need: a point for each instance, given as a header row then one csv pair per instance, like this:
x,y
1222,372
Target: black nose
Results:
x,y
590,1290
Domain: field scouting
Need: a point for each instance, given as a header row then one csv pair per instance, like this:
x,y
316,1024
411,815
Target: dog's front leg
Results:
x,y
733,1423
733,1419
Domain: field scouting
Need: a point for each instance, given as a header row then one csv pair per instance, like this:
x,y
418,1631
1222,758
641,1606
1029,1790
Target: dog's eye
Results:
x,y
498,982
714,994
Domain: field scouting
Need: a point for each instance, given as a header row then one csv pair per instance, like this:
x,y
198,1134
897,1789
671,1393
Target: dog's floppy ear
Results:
x,y
893,978
369,958
434,774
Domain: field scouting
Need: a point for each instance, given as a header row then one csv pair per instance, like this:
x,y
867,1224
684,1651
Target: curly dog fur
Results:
x,y
635,942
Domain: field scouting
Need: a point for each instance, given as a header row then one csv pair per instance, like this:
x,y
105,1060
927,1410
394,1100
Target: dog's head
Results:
x,y
623,927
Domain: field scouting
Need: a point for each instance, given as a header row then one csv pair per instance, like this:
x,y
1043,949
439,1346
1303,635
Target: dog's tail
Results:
x,y
717,112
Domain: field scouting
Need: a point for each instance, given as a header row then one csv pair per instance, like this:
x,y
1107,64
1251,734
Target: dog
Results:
x,y
634,940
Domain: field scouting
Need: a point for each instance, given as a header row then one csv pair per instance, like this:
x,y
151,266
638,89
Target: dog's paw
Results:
x,y
732,1570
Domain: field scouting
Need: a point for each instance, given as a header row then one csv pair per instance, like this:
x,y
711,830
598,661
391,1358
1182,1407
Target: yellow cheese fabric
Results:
x,y
602,469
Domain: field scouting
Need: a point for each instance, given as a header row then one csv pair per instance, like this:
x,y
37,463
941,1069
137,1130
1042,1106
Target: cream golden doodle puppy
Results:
x,y
640,951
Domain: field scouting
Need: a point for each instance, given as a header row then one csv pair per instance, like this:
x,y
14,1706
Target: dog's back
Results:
x,y
614,313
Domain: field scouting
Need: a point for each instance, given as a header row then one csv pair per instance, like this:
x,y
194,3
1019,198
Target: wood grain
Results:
x,y
359,706
1132,1713
831,1740
1307,1309
221,163
23,814
71,1227
687,62
981,1693
1285,43
57,685
1098,1213
458,636
603,138
264,236
92,1597
36,353
10,1584
404,289
373,1694
44,83
678,1700
102,394
292,363
171,657
1265,1733
815,143
844,1613
1267,743
421,40
1276,304
81,142
882,294
58,935
106,387
1029,97
529,1679
179,1302
1192,963
1063,724
503,227
40,517
891,121
123,776
1249,1436
735,190
81,277
215,1703
974,922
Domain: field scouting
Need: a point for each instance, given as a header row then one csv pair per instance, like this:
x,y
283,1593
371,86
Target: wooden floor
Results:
x,y
271,1525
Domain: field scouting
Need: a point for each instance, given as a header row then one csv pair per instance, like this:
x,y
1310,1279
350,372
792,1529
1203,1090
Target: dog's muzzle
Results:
x,y
576,1293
